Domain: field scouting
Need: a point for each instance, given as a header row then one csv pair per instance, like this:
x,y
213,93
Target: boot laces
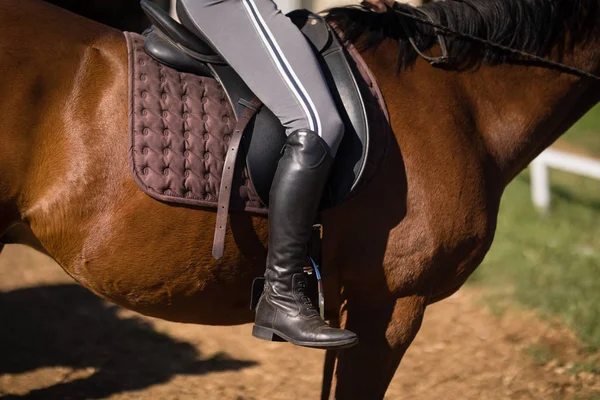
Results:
x,y
303,296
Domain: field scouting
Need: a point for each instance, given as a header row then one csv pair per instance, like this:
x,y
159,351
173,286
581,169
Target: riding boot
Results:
x,y
284,310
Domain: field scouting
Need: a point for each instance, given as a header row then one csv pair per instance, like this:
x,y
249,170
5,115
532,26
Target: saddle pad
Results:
x,y
179,128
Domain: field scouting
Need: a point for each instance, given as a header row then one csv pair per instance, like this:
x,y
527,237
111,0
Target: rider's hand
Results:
x,y
378,5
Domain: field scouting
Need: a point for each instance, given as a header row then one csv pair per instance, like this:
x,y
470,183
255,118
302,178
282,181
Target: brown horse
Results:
x,y
410,238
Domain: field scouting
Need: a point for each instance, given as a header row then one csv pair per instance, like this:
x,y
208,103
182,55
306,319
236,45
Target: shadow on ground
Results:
x,y
66,325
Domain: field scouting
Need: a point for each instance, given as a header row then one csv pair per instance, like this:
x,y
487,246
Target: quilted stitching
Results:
x,y
181,124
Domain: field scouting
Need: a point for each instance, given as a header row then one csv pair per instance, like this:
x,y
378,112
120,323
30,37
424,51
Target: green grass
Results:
x,y
551,263
585,134
590,366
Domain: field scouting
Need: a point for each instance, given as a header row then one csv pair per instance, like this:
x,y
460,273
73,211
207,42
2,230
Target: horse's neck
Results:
x,y
509,113
520,111
533,106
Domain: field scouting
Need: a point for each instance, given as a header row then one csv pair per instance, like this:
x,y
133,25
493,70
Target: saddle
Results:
x,y
200,165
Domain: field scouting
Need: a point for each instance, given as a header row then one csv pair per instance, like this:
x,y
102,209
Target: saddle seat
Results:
x,y
185,48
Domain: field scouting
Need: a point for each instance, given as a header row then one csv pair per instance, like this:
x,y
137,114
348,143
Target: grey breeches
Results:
x,y
274,59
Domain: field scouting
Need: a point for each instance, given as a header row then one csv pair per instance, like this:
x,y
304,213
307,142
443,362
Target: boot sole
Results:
x,y
275,336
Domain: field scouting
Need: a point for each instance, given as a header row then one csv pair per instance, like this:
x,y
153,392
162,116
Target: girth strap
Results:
x,y
228,171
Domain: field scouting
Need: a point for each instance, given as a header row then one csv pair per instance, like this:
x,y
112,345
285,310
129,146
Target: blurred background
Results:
x,y
525,326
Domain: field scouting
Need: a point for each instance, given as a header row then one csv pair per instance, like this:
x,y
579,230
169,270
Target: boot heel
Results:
x,y
265,334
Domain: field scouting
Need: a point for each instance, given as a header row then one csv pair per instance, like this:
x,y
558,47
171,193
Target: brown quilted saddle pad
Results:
x,y
180,125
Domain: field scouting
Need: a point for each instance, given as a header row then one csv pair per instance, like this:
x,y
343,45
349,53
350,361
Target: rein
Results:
x,y
441,30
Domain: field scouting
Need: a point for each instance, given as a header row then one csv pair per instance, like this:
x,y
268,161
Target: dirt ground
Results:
x,y
58,341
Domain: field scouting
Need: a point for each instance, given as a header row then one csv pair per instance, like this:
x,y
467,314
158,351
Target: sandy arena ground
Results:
x,y
58,341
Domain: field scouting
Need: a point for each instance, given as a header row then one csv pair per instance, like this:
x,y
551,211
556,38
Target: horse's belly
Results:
x,y
156,259
189,293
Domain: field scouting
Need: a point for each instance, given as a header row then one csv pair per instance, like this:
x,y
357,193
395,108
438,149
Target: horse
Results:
x,y
460,133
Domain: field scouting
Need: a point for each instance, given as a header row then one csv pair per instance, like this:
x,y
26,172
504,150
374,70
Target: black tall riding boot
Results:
x,y
284,309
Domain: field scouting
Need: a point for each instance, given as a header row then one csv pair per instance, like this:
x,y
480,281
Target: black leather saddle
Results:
x,y
185,48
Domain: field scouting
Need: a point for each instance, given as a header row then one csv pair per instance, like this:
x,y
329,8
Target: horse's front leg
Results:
x,y
385,332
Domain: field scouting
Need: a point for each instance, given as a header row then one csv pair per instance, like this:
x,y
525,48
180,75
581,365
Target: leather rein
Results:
x,y
442,31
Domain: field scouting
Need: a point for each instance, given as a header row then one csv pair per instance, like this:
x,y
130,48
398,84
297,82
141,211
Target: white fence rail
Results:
x,y
540,182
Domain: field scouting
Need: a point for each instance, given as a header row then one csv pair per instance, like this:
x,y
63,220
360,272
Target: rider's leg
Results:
x,y
274,59
276,62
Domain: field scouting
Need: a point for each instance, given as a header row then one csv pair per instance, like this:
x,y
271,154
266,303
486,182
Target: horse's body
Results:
x,y
410,238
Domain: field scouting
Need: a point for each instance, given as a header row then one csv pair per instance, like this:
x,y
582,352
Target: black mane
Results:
x,y
534,26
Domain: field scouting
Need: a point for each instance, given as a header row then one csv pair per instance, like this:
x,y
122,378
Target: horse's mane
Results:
x,y
534,26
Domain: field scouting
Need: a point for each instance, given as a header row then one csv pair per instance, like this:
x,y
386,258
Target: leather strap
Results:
x,y
227,178
443,59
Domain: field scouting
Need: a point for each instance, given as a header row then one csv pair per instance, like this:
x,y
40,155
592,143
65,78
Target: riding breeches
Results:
x,y
274,59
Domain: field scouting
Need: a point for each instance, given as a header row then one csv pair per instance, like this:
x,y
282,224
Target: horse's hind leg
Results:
x,y
365,371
